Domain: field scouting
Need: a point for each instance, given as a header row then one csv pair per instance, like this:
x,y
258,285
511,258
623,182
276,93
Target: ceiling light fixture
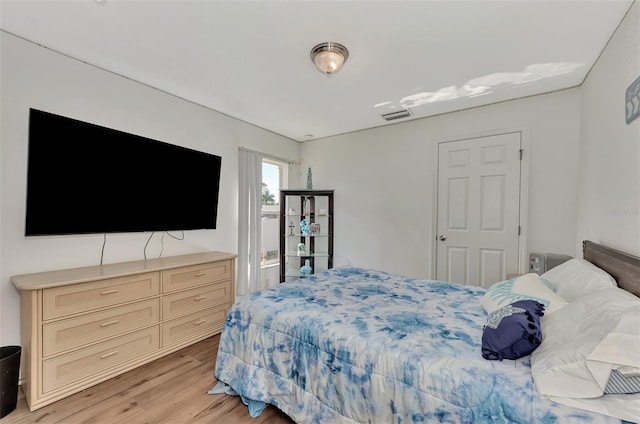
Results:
x,y
329,57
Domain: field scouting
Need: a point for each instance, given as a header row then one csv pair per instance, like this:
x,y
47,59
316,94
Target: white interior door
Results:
x,y
478,209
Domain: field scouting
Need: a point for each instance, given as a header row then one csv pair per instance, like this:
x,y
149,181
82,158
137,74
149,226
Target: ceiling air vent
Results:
x,y
392,116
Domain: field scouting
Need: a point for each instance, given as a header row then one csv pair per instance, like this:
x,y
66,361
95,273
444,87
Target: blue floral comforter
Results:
x,y
359,346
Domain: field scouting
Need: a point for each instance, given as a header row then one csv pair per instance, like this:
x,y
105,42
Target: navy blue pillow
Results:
x,y
512,331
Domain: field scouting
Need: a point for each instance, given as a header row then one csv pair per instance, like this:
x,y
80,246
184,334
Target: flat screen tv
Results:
x,y
84,178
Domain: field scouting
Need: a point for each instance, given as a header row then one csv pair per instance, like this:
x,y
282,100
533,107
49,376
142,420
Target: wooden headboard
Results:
x,y
625,268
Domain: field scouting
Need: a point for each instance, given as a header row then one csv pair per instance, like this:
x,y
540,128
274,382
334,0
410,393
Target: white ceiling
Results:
x,y
250,59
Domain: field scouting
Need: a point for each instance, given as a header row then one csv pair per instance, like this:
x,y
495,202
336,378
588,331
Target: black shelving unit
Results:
x,y
317,207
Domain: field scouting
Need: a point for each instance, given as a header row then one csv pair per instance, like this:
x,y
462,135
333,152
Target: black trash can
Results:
x,y
9,374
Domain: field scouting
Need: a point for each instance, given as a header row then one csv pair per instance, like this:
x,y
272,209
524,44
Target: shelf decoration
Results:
x,y
306,269
301,249
309,179
314,227
304,227
290,228
306,210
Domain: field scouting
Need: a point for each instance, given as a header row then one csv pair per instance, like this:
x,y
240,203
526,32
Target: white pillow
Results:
x,y
581,344
576,277
525,287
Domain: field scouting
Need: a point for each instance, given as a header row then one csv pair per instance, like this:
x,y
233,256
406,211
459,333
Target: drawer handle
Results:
x,y
108,323
202,321
200,274
106,355
109,292
200,298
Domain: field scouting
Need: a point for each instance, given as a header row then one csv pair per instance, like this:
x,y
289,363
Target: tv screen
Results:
x,y
83,178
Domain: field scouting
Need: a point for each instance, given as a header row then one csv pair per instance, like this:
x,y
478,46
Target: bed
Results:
x,y
354,345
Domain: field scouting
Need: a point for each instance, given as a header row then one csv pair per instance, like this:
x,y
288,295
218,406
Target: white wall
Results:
x,y
609,202
32,76
384,180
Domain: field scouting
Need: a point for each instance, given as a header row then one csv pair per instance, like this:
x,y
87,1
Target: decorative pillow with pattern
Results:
x,y
623,380
524,287
512,331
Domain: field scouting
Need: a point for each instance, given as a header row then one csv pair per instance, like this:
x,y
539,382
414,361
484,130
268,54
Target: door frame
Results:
x,y
523,256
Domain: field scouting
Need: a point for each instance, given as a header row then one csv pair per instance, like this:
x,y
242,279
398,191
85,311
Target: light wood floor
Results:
x,y
170,390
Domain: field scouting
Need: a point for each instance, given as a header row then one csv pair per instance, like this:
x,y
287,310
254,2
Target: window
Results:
x,y
274,177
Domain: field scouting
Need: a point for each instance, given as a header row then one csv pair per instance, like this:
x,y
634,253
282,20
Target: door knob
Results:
x,y
443,238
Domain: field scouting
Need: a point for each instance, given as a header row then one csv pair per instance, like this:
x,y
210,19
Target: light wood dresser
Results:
x,y
82,326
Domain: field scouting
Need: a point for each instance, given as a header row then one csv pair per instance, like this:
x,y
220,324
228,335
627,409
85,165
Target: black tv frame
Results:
x,y
84,178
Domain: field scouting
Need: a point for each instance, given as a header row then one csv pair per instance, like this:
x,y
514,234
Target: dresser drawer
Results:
x,y
189,276
74,332
76,298
86,362
185,302
207,321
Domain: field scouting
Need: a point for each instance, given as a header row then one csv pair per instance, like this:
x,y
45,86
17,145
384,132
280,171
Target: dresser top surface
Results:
x,y
43,280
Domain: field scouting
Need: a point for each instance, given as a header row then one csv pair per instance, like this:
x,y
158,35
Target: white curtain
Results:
x,y
249,220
